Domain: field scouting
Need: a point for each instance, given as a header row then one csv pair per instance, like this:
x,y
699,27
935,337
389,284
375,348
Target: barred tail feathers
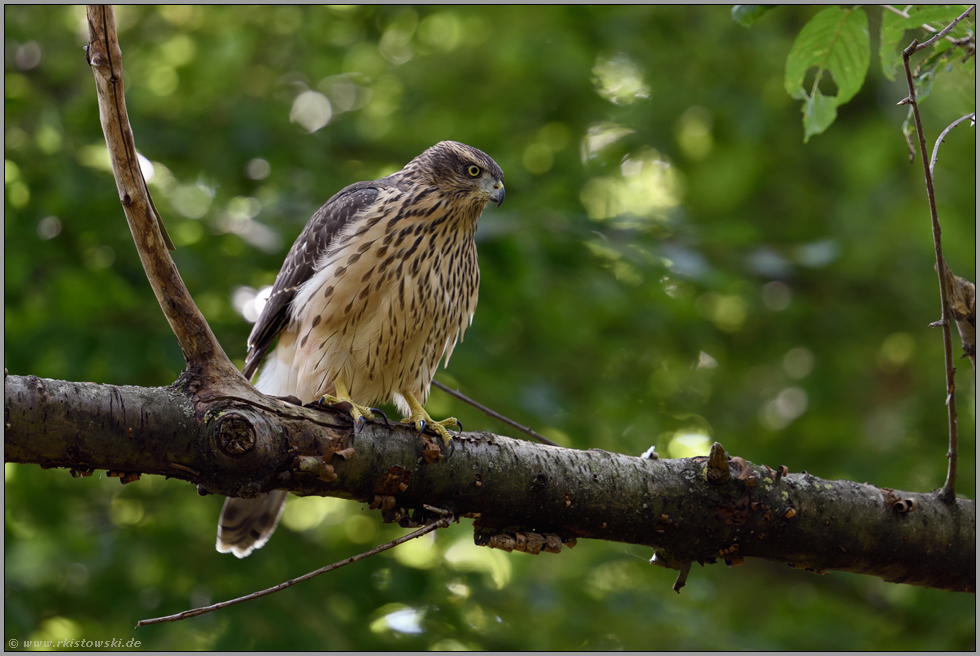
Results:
x,y
247,524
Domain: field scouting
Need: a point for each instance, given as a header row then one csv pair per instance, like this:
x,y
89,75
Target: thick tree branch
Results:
x,y
232,446
196,340
520,495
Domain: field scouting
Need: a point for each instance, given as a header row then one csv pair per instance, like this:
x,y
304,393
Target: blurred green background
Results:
x,y
672,266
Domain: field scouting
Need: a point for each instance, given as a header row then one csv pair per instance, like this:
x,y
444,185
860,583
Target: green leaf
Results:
x,y
925,73
819,112
891,36
893,28
745,15
938,17
835,41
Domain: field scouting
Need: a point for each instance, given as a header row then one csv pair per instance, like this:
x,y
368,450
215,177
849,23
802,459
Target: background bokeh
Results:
x,y
672,266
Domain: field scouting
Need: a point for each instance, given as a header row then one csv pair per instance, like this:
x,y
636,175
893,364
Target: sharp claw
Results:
x,y
452,449
375,411
421,426
460,424
359,424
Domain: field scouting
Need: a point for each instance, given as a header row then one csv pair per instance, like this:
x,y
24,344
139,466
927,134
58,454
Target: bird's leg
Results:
x,y
357,412
420,419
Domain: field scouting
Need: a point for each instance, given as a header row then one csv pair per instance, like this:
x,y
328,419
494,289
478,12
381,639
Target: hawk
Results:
x,y
374,292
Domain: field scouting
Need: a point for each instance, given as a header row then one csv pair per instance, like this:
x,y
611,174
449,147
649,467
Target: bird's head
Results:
x,y
462,172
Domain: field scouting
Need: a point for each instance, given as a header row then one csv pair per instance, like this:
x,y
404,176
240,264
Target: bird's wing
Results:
x,y
316,238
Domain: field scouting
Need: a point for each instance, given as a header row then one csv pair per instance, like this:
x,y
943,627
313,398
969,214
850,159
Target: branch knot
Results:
x,y
236,435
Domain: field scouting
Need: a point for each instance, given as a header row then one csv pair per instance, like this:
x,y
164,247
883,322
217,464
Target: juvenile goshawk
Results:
x,y
374,292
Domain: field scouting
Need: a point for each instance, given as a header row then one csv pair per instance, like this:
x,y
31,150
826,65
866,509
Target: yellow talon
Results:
x,y
420,419
357,411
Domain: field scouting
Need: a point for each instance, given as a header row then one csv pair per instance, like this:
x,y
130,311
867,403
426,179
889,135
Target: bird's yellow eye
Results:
x,y
473,170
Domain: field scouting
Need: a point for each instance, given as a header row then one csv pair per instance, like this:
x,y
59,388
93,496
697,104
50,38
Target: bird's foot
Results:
x,y
358,413
422,420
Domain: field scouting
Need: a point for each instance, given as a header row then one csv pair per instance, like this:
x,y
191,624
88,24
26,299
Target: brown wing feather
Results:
x,y
316,237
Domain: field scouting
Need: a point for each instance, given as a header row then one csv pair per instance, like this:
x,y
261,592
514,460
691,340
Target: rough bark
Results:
x,y
521,495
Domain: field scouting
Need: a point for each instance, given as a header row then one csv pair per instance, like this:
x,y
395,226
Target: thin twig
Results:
x,y
925,26
942,137
946,30
948,492
496,415
440,523
904,14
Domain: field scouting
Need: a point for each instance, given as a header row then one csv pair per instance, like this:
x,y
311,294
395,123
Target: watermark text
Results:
x,y
81,643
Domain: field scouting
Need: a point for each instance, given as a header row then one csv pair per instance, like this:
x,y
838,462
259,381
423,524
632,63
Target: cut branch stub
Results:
x,y
245,443
235,434
716,471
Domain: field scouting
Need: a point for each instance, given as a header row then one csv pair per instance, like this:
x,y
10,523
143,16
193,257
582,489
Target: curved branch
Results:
x,y
942,137
198,343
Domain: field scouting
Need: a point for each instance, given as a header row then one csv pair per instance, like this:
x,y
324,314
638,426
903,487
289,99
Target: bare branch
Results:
x,y
962,293
491,413
509,487
439,523
942,137
234,446
925,26
196,340
115,428
946,30
949,487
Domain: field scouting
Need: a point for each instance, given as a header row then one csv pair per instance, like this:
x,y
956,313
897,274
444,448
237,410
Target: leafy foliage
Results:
x,y
671,267
836,41
894,27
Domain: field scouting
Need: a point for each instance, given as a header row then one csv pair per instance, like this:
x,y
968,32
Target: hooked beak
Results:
x,y
498,194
